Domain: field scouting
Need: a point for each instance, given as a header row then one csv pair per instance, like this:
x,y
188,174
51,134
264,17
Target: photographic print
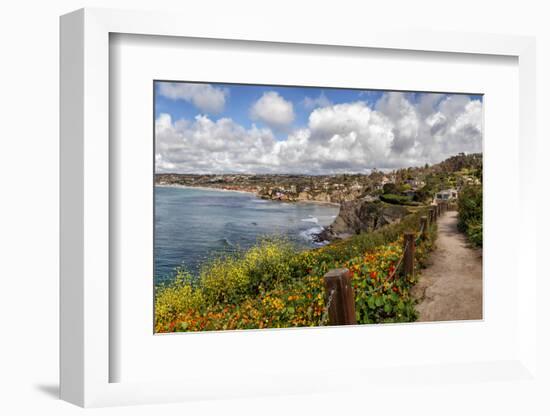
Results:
x,y
289,206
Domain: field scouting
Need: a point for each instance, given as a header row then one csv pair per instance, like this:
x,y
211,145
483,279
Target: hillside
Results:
x,y
407,186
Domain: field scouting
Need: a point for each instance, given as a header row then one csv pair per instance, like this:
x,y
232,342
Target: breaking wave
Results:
x,y
312,219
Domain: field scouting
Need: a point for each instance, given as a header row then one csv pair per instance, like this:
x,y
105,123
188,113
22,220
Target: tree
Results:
x,y
390,188
470,213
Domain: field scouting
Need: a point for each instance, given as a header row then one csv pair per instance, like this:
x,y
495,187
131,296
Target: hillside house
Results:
x,y
446,195
380,185
415,183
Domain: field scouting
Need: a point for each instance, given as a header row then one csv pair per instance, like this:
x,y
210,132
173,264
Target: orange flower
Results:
x,y
373,274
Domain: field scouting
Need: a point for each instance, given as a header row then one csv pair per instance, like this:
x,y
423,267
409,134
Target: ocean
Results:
x,y
192,225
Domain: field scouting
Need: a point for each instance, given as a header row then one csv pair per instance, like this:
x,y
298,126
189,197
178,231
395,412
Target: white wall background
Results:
x,y
29,57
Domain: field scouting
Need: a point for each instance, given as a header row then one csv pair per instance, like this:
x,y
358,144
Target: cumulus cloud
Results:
x,y
203,145
320,101
341,138
273,110
205,97
399,131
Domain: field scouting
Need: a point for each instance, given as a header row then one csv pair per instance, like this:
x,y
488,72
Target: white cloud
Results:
x,y
273,110
320,101
435,127
203,145
350,137
205,97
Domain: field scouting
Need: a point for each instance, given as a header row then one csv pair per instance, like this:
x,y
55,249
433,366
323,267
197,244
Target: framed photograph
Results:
x,y
246,215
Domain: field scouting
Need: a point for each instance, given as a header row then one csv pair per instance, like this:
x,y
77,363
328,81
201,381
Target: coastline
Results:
x,y
205,188
225,230
208,188
310,201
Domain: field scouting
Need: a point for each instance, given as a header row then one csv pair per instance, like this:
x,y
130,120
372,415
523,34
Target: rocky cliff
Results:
x,y
334,197
363,215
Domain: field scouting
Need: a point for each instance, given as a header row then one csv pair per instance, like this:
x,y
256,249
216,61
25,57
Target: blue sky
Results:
x,y
241,97
370,128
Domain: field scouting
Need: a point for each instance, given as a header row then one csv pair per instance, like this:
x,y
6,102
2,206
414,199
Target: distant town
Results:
x,y
408,186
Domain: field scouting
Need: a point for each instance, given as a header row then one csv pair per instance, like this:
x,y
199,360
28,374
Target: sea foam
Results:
x,y
311,219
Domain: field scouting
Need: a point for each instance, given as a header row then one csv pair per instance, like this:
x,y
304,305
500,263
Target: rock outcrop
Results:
x,y
363,215
334,197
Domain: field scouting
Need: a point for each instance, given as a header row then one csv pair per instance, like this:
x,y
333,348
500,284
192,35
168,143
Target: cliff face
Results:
x,y
362,215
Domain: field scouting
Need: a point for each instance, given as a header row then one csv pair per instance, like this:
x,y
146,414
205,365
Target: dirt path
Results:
x,y
450,288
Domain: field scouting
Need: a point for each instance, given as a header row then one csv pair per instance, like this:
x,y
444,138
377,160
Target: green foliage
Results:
x,y
176,298
270,263
390,188
423,195
470,213
231,278
381,295
461,161
398,199
225,279
475,233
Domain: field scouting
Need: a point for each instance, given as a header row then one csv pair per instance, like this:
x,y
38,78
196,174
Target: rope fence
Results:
x,y
391,278
324,318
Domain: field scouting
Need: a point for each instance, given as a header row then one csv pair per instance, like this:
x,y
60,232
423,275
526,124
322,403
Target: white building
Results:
x,y
446,195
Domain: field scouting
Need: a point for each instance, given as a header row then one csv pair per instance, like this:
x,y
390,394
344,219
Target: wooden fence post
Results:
x,y
408,254
432,214
424,226
339,291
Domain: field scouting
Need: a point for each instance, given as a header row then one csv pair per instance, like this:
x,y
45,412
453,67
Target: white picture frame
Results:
x,y
85,210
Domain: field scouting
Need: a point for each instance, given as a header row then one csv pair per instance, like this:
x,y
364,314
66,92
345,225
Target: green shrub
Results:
x,y
269,263
470,213
178,297
231,278
224,279
423,195
389,188
475,233
398,199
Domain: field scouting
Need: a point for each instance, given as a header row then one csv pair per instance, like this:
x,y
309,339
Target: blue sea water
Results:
x,y
193,224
